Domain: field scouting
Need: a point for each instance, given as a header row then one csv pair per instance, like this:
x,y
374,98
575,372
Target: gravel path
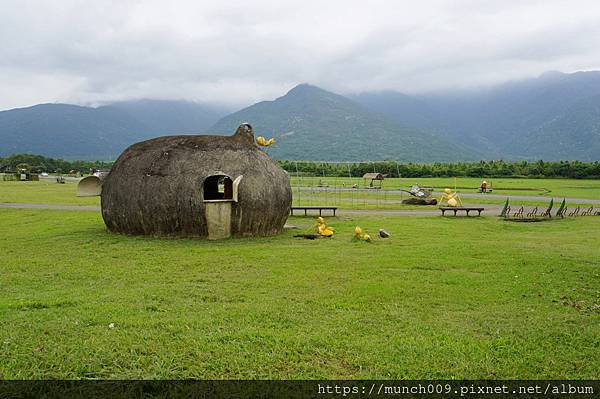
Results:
x,y
489,209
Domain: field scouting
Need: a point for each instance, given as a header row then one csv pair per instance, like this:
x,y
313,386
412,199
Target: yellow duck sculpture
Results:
x,y
361,235
323,229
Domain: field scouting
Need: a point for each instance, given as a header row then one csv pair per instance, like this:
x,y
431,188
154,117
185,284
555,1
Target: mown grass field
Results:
x,y
442,298
43,192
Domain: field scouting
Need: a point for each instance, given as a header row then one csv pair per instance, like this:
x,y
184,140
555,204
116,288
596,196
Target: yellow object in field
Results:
x,y
358,231
450,198
271,141
325,231
367,238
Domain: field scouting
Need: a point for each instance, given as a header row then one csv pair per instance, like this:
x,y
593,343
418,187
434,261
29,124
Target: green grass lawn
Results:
x,y
43,192
545,189
578,188
442,298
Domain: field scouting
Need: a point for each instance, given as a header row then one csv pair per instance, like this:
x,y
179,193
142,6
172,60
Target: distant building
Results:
x,y
374,177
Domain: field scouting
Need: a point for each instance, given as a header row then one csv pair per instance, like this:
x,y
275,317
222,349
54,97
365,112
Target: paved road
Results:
x,y
53,178
489,209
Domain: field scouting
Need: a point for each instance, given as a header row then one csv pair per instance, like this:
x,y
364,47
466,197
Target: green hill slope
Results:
x,y
163,117
69,131
521,119
572,135
75,132
314,124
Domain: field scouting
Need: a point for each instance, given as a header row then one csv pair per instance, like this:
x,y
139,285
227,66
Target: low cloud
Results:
x,y
240,52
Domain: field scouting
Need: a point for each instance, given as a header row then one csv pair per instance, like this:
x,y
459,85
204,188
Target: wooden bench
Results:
x,y
460,208
307,208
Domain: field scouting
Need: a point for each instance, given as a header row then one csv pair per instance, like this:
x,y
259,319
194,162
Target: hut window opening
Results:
x,y
218,187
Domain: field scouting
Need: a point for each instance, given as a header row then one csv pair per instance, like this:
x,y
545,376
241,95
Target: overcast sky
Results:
x,y
240,52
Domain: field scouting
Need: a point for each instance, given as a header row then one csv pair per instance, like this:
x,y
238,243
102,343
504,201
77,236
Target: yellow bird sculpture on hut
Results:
x,y
450,198
323,229
261,141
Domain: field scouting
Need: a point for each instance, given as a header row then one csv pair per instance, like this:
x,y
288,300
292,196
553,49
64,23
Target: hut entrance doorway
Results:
x,y
218,191
218,187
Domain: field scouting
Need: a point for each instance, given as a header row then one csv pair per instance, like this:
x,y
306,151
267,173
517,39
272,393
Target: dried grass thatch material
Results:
x,y
158,187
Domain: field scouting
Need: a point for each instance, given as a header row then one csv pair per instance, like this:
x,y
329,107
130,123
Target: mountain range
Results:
x,y
313,124
555,116
76,132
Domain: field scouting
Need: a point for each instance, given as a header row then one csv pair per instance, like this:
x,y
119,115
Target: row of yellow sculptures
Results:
x,y
327,231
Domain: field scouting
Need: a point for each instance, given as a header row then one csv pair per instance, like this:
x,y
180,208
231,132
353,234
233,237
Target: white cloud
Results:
x,y
238,52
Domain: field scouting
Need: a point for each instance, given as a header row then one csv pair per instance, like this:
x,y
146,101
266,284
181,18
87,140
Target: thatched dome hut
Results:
x,y
197,186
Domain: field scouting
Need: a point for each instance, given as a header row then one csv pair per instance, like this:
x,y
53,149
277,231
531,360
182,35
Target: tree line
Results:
x,y
524,169
39,164
500,168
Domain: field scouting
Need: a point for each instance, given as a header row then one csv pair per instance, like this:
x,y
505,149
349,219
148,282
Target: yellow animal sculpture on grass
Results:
x,y
323,229
358,234
450,198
